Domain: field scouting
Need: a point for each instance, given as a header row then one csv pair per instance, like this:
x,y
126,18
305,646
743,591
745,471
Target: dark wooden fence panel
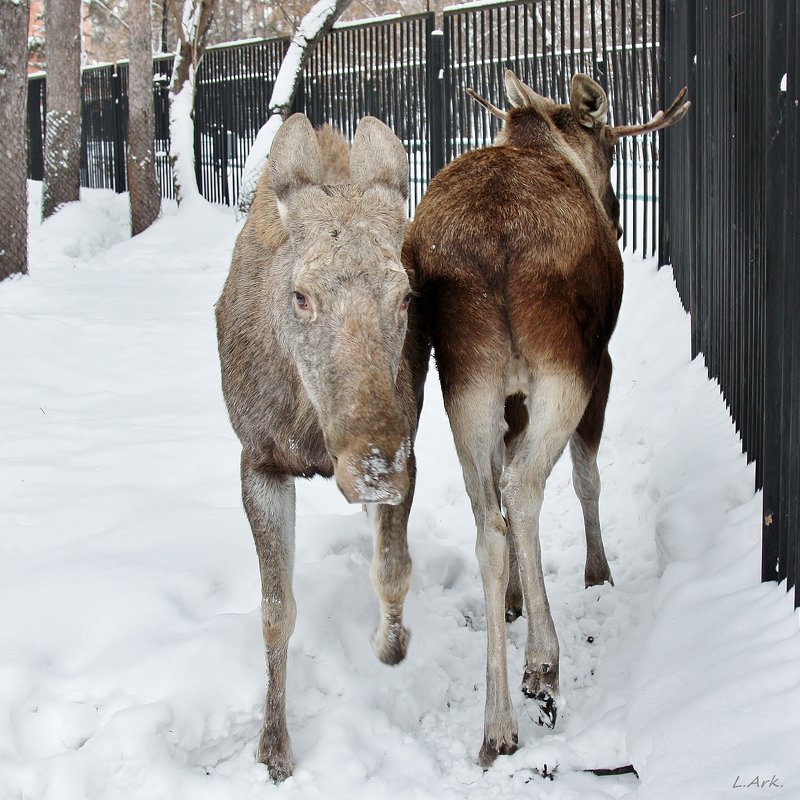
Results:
x,y
730,232
104,127
36,115
234,84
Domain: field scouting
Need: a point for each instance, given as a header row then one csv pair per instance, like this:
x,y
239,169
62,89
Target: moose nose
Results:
x,y
372,475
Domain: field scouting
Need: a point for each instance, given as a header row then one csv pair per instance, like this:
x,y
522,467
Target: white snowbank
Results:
x,y
131,663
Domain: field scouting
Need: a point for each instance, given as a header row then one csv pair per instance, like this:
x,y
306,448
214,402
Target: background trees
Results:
x,y
145,193
62,152
192,24
13,139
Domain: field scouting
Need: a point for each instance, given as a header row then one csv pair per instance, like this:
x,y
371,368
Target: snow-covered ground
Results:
x,y
131,662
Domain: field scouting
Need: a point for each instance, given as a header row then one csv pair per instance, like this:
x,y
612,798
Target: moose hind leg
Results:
x,y
514,598
269,502
517,420
557,401
391,574
475,417
584,445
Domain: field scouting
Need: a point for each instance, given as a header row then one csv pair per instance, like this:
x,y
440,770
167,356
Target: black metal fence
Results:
x,y
378,68
546,43
408,74
234,84
730,222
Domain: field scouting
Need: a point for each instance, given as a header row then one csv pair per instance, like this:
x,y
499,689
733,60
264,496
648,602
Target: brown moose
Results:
x,y
514,249
311,327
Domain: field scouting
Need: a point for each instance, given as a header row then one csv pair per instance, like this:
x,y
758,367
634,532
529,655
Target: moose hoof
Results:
x,y
597,576
542,686
276,754
390,643
546,704
491,748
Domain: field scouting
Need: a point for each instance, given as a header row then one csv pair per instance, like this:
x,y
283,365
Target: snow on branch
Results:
x,y
192,23
313,27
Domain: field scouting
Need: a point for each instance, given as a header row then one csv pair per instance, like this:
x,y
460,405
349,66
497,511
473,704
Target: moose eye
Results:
x,y
406,301
301,300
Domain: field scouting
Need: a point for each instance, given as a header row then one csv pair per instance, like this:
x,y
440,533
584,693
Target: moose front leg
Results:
x,y
269,501
391,574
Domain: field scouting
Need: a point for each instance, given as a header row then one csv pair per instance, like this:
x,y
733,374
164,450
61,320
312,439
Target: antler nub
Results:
x,y
493,109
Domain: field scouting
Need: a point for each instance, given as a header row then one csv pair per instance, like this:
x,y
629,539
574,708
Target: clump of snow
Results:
x,y
130,626
257,160
181,131
79,230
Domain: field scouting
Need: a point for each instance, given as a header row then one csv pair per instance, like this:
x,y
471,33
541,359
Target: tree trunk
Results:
x,y
13,139
145,193
313,27
192,30
62,152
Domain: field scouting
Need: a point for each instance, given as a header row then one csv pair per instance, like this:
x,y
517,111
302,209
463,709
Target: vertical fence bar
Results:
x,y
35,129
436,89
792,257
776,522
119,95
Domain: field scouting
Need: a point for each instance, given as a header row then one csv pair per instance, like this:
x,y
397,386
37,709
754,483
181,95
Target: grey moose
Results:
x,y
323,366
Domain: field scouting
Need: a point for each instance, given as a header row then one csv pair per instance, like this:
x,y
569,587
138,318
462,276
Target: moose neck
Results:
x,y
528,130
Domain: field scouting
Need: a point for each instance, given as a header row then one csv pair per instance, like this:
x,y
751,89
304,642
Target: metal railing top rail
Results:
x,y
375,22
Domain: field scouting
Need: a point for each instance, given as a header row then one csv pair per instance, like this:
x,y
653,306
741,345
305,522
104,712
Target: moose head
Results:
x,y
582,126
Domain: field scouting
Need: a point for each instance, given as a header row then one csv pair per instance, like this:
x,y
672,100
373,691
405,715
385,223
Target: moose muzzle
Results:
x,y
374,474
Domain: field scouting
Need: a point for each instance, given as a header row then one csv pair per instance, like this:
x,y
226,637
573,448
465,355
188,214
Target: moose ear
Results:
x,y
520,95
378,158
295,160
588,101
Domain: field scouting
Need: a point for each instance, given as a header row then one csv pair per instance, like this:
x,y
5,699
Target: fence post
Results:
x,y
600,70
120,129
665,32
774,531
35,132
436,115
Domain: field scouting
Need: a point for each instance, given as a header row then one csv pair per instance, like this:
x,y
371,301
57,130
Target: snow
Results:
x,y
355,23
131,663
256,161
181,127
